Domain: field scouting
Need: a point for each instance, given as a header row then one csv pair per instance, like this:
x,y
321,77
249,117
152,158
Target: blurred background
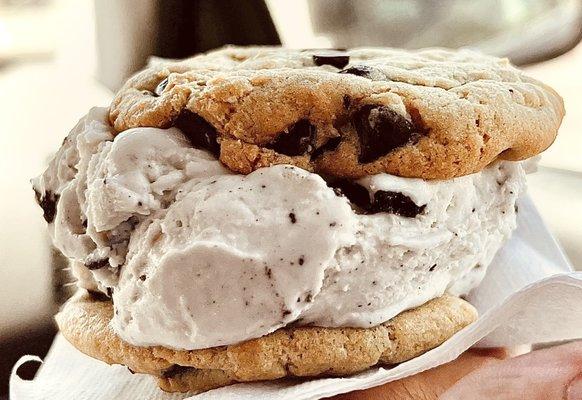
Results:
x,y
60,57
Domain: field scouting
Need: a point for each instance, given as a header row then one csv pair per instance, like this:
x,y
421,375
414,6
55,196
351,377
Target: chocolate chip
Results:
x,y
175,370
358,70
142,278
48,202
298,140
109,292
285,312
160,88
301,260
330,145
97,264
200,133
293,218
381,130
382,201
337,58
395,203
356,194
432,268
347,101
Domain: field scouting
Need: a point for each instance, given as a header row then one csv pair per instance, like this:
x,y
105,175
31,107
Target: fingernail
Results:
x,y
575,389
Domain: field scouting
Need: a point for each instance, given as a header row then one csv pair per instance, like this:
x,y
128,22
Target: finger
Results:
x,y
552,373
429,384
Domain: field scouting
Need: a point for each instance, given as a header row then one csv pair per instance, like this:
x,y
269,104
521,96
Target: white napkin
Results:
x,y
530,295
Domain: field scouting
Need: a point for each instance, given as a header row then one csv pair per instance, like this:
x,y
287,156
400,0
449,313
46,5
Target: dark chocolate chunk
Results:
x,y
160,88
382,201
356,194
298,140
48,202
381,130
358,70
200,133
330,145
346,101
395,203
337,58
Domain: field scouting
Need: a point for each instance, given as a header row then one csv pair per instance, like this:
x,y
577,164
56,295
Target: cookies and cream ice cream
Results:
x,y
195,256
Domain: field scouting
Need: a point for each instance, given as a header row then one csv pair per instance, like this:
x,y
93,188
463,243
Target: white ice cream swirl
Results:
x,y
196,256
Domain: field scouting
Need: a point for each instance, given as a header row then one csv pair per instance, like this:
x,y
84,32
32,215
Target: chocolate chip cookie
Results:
x,y
288,352
432,114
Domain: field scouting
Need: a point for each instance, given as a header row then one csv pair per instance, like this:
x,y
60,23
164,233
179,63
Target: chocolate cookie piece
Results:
x,y
432,114
395,203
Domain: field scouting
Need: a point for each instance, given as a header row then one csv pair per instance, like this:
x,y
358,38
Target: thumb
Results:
x,y
553,373
429,384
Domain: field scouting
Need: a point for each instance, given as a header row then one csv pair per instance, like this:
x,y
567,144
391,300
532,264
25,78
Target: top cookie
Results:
x,y
432,114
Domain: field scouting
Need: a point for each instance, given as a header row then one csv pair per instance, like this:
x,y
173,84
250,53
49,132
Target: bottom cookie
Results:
x,y
289,352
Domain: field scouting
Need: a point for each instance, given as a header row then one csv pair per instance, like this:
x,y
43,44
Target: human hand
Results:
x,y
553,373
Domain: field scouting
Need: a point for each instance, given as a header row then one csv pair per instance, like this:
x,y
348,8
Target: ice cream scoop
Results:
x,y
195,256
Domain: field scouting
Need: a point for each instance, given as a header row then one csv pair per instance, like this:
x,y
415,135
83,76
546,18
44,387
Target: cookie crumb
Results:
x,y
268,272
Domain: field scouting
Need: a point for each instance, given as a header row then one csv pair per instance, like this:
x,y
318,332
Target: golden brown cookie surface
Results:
x,y
302,352
433,113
